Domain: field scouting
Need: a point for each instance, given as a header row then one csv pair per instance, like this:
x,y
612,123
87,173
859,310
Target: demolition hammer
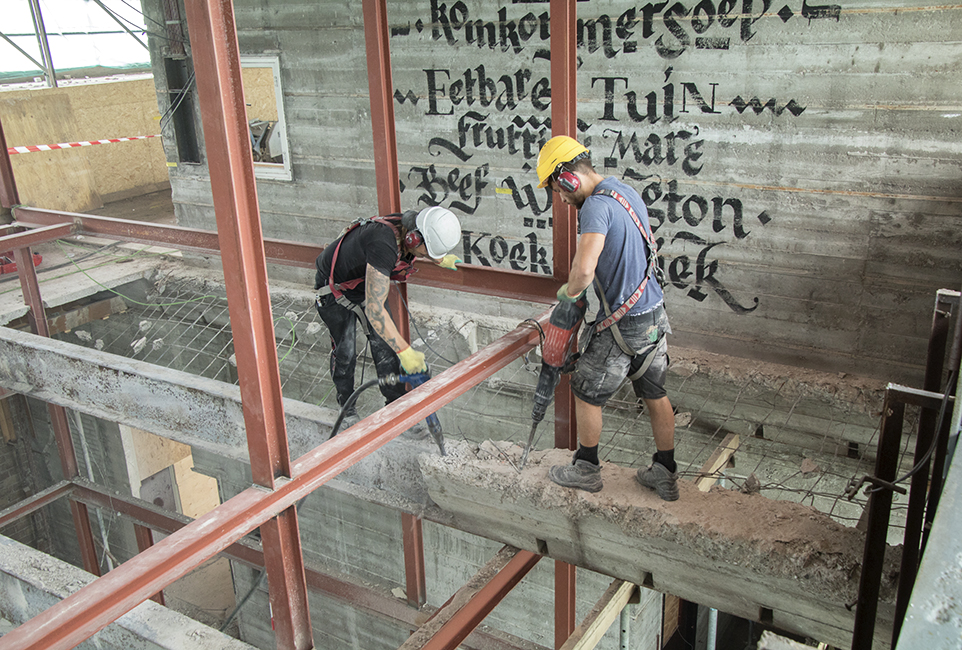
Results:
x,y
557,356
416,379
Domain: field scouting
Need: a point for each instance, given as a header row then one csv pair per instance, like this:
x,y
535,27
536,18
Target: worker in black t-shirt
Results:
x,y
353,277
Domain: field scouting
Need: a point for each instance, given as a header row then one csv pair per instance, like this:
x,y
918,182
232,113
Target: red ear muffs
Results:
x,y
413,239
568,181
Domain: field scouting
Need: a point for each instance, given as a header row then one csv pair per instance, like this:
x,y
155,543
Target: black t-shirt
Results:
x,y
372,243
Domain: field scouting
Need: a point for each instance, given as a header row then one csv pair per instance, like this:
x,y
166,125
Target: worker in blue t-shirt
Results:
x,y
616,254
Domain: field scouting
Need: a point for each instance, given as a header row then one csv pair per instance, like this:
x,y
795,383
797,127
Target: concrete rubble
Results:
x,y
774,561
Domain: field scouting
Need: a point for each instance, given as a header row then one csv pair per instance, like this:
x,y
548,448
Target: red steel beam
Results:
x,y
459,626
564,115
35,502
381,89
413,538
365,598
220,87
517,285
36,236
145,539
95,606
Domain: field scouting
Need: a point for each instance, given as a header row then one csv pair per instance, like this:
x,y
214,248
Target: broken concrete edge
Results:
x,y
63,290
742,554
31,582
170,403
864,394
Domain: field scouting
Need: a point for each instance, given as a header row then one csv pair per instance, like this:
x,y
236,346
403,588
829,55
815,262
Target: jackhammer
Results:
x,y
416,379
557,356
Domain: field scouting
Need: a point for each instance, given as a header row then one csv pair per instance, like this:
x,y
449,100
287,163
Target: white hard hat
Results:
x,y
441,230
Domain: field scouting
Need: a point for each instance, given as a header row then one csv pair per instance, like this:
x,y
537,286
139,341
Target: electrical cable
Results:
x,y
421,336
173,107
143,28
935,437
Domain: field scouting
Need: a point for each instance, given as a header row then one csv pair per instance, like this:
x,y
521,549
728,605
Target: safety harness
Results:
x,y
401,271
611,318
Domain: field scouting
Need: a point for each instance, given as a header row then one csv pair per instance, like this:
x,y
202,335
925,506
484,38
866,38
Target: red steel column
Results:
x,y
381,89
564,114
220,88
145,539
30,287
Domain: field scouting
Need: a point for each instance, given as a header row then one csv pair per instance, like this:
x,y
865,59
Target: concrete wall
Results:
x,y
799,161
83,178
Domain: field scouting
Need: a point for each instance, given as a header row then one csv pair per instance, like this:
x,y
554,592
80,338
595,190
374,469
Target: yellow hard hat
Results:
x,y
559,149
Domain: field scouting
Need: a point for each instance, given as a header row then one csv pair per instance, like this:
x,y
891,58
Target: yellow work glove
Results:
x,y
448,261
563,294
412,361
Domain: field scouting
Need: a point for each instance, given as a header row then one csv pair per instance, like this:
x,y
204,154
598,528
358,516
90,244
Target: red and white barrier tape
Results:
x,y
71,145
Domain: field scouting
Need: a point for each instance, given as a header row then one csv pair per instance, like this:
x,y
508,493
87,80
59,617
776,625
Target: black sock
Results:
x,y
589,454
666,458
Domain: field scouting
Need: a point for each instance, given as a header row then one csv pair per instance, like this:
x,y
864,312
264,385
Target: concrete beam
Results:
x,y
169,403
30,582
777,562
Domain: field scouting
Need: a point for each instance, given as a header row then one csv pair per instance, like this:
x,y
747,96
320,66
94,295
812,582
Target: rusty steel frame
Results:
x,y
8,184
36,315
469,615
388,184
147,518
516,285
216,61
88,610
245,253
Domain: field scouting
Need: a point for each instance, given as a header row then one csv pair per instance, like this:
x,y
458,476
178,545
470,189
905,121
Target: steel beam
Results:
x,y
145,539
372,601
30,287
35,236
82,614
465,610
220,85
516,285
35,502
915,515
44,44
564,118
413,539
381,89
879,509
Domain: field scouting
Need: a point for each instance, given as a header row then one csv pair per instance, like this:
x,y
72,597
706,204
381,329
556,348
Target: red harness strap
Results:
x,y
652,252
402,269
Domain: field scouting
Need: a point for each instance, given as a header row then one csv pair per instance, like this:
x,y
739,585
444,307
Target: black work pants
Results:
x,y
341,323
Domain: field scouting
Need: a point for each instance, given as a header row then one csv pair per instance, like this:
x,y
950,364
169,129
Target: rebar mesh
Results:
x,y
792,446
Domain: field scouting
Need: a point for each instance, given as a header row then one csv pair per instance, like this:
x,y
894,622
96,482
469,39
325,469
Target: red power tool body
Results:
x,y
557,354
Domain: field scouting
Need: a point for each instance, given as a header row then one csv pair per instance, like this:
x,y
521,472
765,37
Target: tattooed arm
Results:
x,y
376,289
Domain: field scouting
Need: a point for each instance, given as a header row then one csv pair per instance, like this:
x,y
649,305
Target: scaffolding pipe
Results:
x,y
48,71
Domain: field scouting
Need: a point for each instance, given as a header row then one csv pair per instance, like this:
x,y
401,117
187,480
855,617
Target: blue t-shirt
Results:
x,y
624,259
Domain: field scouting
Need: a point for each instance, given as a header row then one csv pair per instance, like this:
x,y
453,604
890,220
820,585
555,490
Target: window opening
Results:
x,y
265,116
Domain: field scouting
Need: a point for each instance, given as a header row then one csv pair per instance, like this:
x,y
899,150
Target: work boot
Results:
x,y
581,475
417,432
657,477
